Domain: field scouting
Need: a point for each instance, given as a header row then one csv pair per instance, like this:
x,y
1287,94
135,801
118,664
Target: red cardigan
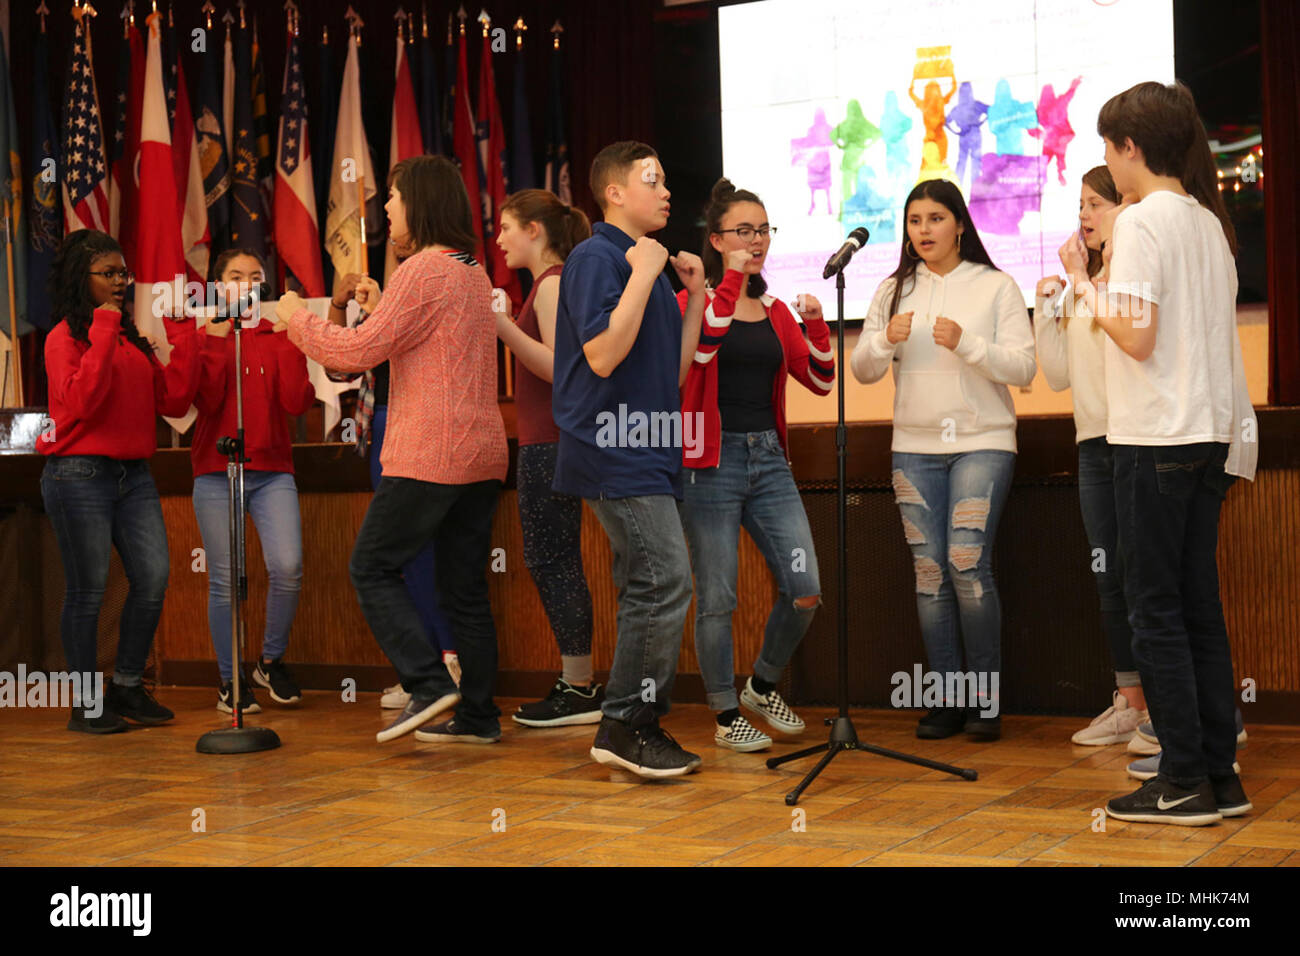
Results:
x,y
106,394
809,360
275,384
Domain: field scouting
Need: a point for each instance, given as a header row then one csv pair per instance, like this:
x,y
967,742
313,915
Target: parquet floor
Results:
x,y
332,796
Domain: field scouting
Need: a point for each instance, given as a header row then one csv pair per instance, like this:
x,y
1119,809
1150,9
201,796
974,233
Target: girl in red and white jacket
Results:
x,y
107,389
735,452
275,384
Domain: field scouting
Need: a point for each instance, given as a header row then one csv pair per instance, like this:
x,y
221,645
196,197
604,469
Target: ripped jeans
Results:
x,y
950,505
751,487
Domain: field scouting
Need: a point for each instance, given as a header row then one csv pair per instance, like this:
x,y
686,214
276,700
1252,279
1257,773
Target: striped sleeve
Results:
x,y
808,352
720,308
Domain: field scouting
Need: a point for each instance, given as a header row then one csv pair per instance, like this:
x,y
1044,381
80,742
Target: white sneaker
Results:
x,y
394,698
452,662
771,708
741,735
1117,724
1142,744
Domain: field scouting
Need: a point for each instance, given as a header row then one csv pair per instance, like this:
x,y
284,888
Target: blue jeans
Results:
x,y
1097,504
1167,499
951,505
420,572
404,517
652,571
96,504
751,487
271,498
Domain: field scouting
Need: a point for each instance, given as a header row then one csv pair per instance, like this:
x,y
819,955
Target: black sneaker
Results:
x,y
106,723
247,702
645,748
1229,796
418,712
941,722
450,731
564,705
981,727
1160,801
275,678
138,704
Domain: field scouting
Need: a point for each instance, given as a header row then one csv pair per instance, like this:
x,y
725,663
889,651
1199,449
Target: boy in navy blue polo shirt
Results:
x,y
622,348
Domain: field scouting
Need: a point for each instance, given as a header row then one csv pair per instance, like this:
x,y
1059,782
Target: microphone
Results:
x,y
857,239
227,309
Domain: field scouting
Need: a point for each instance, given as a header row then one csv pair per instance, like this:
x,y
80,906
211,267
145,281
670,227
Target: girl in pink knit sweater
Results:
x,y
444,455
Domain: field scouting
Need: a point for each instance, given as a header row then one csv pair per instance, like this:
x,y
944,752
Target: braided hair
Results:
x,y
69,285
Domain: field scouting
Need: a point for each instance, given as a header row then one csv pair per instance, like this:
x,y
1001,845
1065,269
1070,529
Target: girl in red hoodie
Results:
x,y
275,383
736,457
106,390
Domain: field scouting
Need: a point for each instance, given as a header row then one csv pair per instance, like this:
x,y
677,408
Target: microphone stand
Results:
x,y
843,736
236,739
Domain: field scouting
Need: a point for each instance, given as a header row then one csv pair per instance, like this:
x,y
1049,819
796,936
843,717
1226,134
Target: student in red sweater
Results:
x,y
444,454
275,383
737,472
538,232
106,390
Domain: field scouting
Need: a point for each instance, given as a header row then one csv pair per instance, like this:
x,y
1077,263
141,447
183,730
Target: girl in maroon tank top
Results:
x,y
537,233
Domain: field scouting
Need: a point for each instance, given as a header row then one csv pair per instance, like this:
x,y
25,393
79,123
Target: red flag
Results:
x,y
492,151
405,140
190,194
160,256
463,142
297,235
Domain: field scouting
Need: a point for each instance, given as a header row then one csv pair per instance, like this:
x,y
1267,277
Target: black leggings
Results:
x,y
552,528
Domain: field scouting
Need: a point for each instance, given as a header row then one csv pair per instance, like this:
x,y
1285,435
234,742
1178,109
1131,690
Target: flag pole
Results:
x,y
354,28
10,203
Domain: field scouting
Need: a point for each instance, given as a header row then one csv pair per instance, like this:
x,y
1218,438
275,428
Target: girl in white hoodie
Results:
x,y
956,332
1072,350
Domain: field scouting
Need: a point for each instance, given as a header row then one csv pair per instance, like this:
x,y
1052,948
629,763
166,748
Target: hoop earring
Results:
x,y
909,251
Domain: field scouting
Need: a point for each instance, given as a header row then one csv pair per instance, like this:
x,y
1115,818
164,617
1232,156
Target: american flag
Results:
x,y
85,175
296,232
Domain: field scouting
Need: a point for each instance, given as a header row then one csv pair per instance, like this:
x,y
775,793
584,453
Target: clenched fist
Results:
x,y
899,328
647,256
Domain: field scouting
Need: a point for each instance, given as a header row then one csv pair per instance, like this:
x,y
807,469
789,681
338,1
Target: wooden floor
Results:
x,y
332,796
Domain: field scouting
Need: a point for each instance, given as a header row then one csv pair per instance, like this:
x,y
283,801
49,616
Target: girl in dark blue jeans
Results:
x,y
106,390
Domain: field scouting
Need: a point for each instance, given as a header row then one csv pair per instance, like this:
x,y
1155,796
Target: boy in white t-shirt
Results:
x,y
1176,421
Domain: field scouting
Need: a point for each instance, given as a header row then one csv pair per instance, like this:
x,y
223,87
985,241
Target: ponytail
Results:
x,y
565,226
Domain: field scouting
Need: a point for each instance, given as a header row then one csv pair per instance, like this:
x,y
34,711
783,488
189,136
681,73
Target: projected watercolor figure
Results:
x,y
814,151
894,127
1008,120
965,119
853,136
932,114
1056,132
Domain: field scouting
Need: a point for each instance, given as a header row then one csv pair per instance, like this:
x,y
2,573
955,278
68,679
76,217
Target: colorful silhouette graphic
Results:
x,y
1056,132
1008,120
932,114
853,137
965,120
894,127
813,150
871,208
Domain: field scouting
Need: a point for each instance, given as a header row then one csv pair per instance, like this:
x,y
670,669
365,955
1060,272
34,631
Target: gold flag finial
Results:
x,y
520,27
556,30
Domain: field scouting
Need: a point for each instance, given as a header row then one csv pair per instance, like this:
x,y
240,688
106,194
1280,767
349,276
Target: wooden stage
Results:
x,y
332,796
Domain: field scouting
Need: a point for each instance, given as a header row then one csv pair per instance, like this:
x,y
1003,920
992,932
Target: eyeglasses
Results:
x,y
746,233
112,275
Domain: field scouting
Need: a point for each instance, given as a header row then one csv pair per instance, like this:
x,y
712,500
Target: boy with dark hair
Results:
x,y
622,349
1181,426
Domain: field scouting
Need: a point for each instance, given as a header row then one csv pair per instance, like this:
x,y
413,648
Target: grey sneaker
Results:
x,y
418,711
1117,724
